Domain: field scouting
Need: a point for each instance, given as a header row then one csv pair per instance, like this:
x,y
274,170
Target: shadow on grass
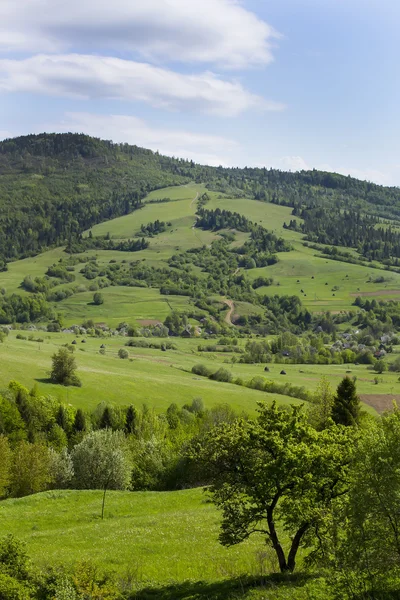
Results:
x,y
222,590
44,380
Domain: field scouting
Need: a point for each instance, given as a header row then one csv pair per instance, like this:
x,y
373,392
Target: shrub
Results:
x,y
98,299
222,375
122,353
12,589
64,367
201,370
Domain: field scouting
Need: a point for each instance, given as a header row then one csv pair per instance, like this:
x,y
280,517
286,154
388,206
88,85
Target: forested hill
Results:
x,y
53,186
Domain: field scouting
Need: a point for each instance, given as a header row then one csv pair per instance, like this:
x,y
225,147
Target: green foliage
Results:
x,y
346,404
101,461
277,467
98,299
30,469
64,368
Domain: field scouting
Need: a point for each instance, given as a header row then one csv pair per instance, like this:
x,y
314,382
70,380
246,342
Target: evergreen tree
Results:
x,y
131,420
346,404
106,421
62,418
79,421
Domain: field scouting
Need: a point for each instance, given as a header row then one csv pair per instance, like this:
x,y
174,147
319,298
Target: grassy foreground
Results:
x,y
160,545
159,537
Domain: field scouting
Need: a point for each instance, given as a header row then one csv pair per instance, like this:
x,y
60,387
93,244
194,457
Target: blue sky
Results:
x,y
291,84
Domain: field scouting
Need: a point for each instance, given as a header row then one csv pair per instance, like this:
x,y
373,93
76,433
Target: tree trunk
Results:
x,y
283,566
104,501
291,564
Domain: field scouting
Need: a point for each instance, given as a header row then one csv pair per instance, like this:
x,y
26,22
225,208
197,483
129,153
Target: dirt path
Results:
x,y
194,199
228,316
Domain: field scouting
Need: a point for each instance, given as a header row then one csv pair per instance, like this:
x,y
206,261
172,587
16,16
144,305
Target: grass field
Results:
x,y
159,536
160,545
153,377
160,378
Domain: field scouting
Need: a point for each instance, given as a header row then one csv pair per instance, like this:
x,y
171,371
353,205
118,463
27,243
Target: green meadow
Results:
x,y
157,378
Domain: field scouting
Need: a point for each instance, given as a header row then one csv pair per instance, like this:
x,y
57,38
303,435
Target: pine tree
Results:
x,y
79,421
62,418
346,404
130,420
106,421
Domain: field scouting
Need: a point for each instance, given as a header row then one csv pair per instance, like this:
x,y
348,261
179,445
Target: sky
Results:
x,y
290,84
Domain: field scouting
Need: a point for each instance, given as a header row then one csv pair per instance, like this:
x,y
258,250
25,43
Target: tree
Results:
x,y
30,470
101,461
79,424
131,419
346,405
106,420
321,409
64,368
369,544
277,467
380,366
5,465
98,299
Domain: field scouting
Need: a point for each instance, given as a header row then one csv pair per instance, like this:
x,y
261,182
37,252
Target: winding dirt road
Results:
x,y
228,316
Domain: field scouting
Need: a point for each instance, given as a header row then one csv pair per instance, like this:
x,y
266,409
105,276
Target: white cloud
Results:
x,y
90,77
218,32
206,149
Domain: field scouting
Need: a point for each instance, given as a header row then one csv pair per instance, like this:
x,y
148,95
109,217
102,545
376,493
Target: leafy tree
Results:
x,y
30,470
346,405
62,468
98,299
368,546
64,368
321,409
11,423
275,468
5,465
380,366
101,461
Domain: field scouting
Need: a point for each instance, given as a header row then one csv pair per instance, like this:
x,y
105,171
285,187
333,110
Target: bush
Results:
x,y
222,375
98,299
12,589
201,370
64,367
122,353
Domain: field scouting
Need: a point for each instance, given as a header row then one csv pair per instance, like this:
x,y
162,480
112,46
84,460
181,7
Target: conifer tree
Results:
x,y
346,404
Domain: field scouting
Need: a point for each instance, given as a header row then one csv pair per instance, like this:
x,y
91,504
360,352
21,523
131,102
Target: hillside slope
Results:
x,y
53,186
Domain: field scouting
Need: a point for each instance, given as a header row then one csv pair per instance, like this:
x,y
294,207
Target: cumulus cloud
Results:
x,y
218,32
206,149
90,77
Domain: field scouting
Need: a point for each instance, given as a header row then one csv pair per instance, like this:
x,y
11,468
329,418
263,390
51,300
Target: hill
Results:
x,y
54,186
